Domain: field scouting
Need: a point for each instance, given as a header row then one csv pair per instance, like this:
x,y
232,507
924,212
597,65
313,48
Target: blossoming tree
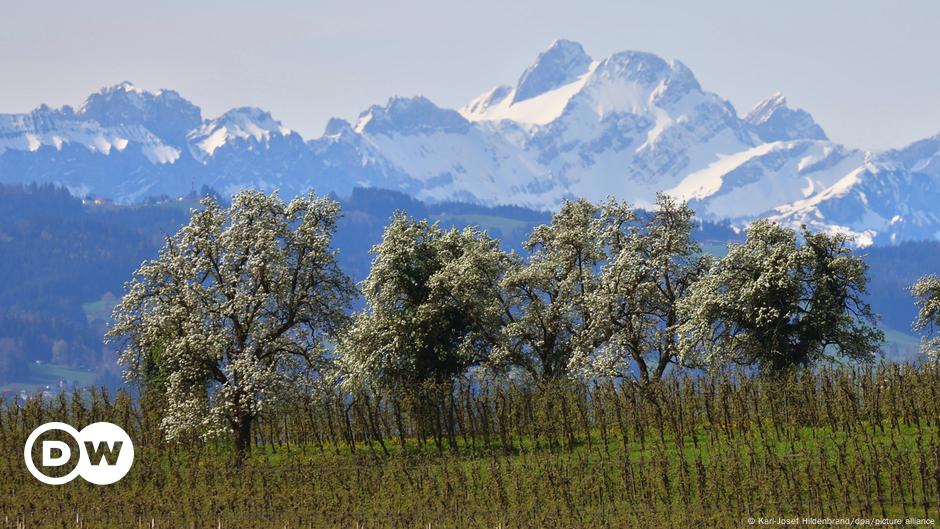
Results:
x,y
236,311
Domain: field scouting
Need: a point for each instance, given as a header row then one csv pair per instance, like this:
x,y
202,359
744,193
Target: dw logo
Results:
x,y
106,453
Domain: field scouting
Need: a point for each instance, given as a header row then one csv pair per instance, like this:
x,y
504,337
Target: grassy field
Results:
x,y
505,225
100,309
709,452
41,375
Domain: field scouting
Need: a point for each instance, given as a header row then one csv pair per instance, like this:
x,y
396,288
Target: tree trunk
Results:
x,y
242,439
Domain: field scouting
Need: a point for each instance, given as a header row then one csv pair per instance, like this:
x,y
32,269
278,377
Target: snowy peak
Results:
x,y
630,82
922,156
635,82
487,100
877,203
628,125
49,130
772,120
748,184
165,112
643,68
499,104
410,116
249,121
244,124
337,127
563,62
115,120
765,108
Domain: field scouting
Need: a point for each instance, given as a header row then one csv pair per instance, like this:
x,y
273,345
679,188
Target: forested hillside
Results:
x,y
63,263
60,259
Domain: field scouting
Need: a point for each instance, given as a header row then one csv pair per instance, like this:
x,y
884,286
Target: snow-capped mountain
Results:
x,y
127,143
747,184
891,197
627,125
773,120
247,148
164,113
118,155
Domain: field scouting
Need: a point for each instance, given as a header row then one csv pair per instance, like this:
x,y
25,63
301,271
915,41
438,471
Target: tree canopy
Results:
x,y
652,263
775,302
432,305
243,304
236,310
547,297
926,292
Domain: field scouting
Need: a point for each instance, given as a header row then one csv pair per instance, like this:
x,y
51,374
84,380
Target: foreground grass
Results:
x,y
695,453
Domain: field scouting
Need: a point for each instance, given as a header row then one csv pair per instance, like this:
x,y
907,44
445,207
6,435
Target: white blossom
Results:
x,y
432,306
235,312
926,293
778,303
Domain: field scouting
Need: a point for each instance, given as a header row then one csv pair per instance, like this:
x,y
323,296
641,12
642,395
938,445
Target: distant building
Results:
x,y
97,201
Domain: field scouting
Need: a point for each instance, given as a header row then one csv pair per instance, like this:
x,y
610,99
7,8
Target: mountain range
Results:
x,y
628,125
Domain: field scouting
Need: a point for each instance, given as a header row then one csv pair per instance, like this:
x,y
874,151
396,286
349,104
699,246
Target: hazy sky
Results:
x,y
866,69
